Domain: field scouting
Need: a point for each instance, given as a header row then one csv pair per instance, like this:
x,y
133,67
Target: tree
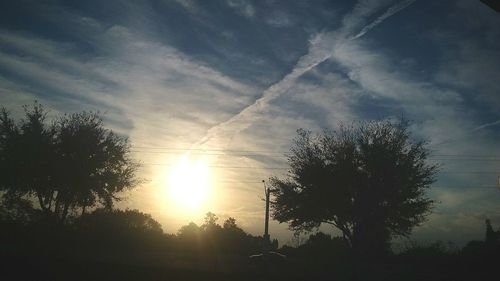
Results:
x,y
93,163
368,181
230,223
214,239
25,153
72,164
192,230
492,236
210,220
231,230
105,222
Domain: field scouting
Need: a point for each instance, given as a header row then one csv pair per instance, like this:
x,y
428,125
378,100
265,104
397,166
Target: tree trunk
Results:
x,y
65,212
51,200
40,201
57,207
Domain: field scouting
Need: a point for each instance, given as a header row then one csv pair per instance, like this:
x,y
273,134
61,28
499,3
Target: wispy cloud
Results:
x,y
280,19
243,7
321,48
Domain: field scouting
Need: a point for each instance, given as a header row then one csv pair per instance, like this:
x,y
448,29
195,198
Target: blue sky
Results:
x,y
237,78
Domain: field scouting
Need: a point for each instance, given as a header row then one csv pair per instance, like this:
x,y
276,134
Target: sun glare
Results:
x,y
189,183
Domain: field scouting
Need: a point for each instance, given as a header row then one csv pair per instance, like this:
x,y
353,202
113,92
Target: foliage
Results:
x,y
433,249
16,211
491,236
211,237
71,164
369,181
210,221
118,220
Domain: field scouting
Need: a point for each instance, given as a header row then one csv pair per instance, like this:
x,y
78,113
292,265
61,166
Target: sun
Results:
x,y
189,183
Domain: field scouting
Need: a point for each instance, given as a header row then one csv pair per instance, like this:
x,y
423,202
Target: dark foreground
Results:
x,y
108,251
156,266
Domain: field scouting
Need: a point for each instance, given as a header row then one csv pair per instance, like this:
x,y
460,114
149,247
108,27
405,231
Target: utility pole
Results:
x,y
267,241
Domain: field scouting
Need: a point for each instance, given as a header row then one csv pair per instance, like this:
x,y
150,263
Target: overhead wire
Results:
x,y
243,153
240,152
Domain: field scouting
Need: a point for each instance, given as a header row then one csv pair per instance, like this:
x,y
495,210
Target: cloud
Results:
x,y
280,19
189,5
243,7
460,214
150,91
320,49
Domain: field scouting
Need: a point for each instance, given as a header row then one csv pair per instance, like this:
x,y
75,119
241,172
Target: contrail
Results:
x,y
320,50
390,12
486,125
467,134
305,63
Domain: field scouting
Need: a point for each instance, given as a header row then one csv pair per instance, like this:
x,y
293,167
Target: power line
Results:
x,y
287,168
203,153
172,149
466,172
467,155
284,156
434,186
465,159
206,149
225,167
467,186
227,152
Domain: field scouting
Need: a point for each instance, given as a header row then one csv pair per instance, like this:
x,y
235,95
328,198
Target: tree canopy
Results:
x,y
70,164
212,238
367,180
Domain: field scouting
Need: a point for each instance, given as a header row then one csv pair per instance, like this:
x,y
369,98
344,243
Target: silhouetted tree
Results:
x,y
367,180
319,238
19,211
213,239
274,244
232,227
492,236
210,221
93,163
114,221
230,224
190,230
72,164
27,158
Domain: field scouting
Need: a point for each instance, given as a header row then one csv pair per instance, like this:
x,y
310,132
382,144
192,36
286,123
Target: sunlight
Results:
x,y
189,183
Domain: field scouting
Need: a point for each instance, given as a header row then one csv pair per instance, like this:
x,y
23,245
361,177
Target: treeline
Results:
x,y
324,255
211,237
110,240
129,238
124,233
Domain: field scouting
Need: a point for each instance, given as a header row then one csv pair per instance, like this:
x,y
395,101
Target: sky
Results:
x,y
227,83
